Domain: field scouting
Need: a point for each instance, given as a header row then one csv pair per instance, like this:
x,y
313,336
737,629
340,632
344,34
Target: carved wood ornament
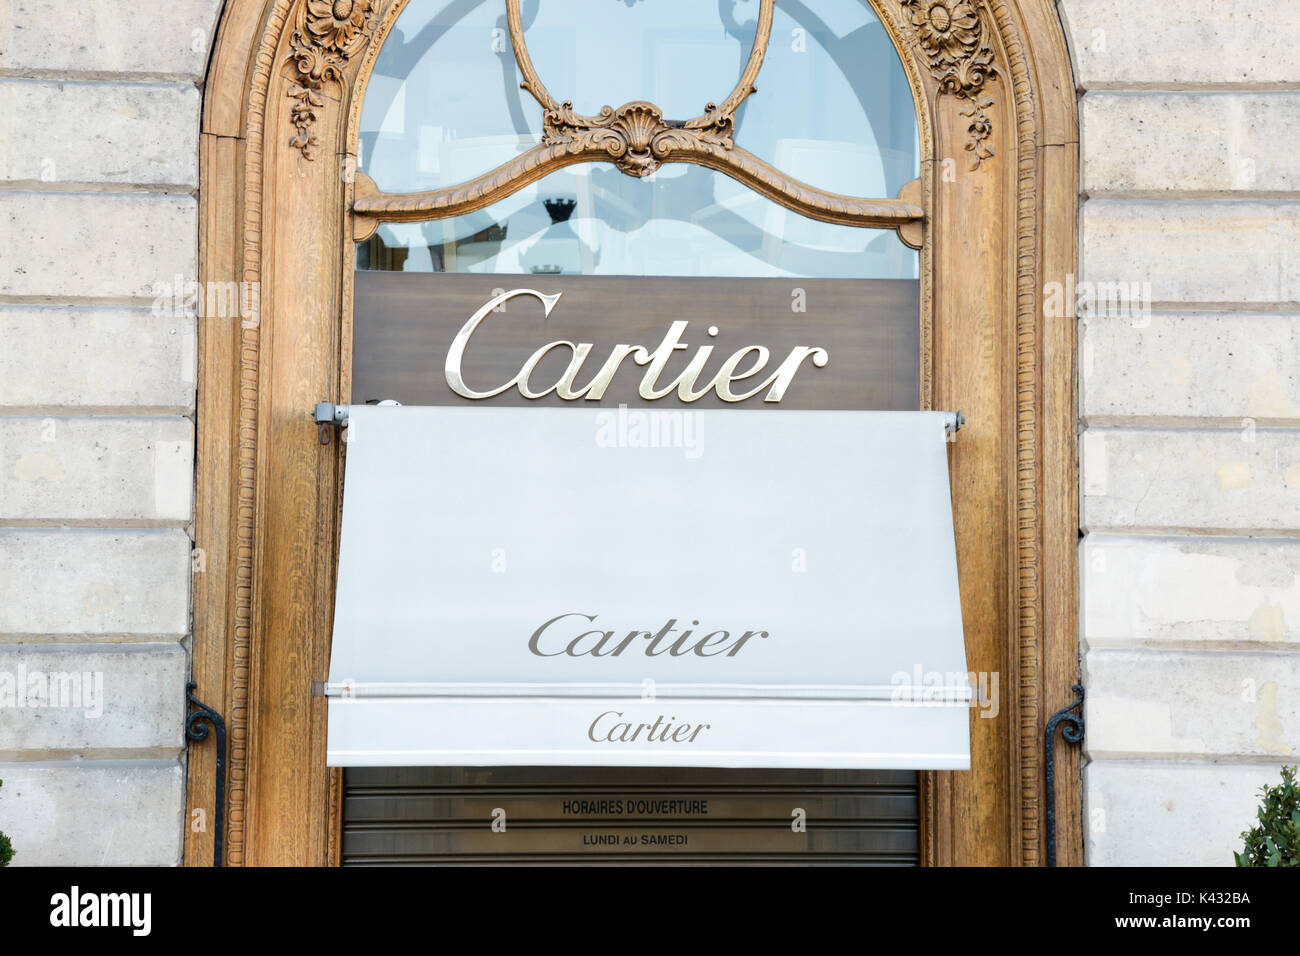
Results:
x,y
326,35
954,38
637,139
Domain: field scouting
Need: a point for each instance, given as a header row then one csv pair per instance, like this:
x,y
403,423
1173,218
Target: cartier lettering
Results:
x,y
609,726
598,642
739,369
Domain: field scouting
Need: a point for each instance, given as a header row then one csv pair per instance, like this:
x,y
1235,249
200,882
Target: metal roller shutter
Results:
x,y
423,816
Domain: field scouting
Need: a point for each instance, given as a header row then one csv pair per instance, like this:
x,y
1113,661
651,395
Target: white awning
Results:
x,y
635,587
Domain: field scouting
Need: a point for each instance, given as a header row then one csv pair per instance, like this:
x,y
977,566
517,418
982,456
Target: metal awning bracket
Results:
x,y
952,424
327,413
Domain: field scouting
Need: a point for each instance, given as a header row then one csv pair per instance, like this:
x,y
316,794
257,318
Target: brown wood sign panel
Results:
x,y
863,332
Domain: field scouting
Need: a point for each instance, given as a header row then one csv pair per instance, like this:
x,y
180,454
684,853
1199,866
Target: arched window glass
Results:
x,y
833,110
594,220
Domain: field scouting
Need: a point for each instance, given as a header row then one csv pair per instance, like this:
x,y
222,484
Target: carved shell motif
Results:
x,y
635,135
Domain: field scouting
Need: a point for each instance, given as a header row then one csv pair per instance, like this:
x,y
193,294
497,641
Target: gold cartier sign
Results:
x,y
754,358
450,339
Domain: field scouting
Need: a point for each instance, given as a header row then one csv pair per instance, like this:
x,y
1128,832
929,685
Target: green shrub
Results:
x,y
6,848
1276,841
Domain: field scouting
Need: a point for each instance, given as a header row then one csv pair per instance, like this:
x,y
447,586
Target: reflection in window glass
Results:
x,y
684,220
833,106
678,55
443,103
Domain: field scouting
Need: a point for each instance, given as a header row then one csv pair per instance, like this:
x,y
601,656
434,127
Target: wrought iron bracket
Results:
x,y
195,730
1071,725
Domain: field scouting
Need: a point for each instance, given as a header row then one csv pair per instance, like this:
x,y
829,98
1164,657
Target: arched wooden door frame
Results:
x,y
999,190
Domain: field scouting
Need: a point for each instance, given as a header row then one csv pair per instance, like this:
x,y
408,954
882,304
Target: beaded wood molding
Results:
x,y
637,139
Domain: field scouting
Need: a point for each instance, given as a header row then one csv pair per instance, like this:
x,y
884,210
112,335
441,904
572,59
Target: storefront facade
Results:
x,y
1015,505
303,210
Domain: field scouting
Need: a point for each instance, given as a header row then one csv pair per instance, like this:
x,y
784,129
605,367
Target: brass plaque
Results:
x,y
863,331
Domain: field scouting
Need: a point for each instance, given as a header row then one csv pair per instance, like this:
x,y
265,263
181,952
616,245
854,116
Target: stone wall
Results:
x,y
99,118
1190,415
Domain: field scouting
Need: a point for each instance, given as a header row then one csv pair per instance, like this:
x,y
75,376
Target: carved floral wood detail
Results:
x,y
954,38
326,35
